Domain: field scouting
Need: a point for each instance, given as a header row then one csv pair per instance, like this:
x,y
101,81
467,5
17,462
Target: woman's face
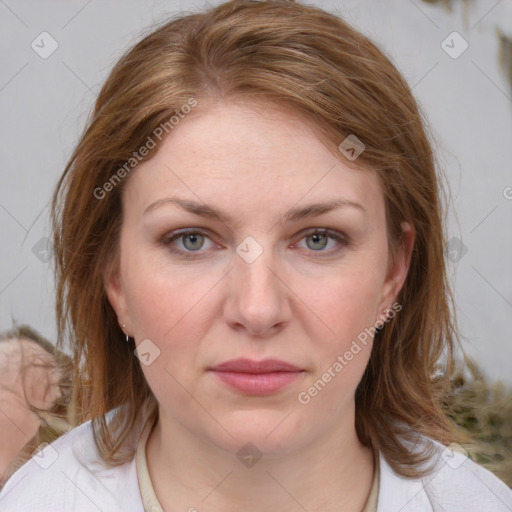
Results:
x,y
260,282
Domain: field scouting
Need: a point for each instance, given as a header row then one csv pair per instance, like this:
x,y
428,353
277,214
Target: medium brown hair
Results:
x,y
329,73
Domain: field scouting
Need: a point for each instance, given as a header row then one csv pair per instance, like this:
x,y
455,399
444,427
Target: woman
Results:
x,y
249,251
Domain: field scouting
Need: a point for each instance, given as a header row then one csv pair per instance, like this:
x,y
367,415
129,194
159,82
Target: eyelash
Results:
x,y
175,235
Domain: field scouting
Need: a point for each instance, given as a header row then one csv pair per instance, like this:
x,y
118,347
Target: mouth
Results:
x,y
256,377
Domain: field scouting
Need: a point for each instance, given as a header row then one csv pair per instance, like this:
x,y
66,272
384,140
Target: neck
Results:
x,y
332,473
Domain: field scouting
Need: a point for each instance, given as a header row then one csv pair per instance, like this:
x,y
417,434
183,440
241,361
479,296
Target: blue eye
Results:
x,y
316,238
193,240
319,240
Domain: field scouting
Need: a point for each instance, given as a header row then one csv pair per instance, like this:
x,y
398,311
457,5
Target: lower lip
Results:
x,y
257,383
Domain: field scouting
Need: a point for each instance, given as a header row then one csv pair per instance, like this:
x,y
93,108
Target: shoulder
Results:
x,y
455,483
69,475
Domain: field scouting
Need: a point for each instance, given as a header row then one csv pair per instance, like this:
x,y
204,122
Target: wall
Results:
x,y
468,100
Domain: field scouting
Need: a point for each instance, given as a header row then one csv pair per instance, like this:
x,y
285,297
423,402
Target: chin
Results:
x,y
267,432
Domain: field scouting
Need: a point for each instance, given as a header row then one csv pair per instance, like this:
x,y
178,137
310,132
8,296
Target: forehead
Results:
x,y
249,153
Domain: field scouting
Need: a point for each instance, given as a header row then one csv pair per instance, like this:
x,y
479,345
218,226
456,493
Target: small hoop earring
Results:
x,y
127,337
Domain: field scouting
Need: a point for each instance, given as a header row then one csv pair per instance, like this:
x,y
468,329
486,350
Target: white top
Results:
x,y
150,500
67,476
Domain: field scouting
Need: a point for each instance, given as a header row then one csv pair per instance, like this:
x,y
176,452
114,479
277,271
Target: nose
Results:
x,y
257,298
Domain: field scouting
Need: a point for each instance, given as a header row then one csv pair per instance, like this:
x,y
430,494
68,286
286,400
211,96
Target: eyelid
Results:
x,y
324,231
342,239
178,233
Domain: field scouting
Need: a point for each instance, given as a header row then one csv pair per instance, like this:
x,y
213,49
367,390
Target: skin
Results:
x,y
301,301
18,424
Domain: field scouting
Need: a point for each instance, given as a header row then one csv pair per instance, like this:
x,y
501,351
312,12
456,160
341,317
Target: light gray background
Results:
x,y
468,100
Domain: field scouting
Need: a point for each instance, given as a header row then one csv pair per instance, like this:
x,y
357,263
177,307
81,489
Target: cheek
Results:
x,y
169,311
167,305
342,314
346,302
341,344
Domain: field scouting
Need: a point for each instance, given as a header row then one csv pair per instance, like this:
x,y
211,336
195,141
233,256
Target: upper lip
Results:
x,y
251,366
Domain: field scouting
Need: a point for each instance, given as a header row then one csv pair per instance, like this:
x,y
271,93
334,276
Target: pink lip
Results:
x,y
257,377
250,366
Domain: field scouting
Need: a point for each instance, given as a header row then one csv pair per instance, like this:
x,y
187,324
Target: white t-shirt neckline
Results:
x,y
150,500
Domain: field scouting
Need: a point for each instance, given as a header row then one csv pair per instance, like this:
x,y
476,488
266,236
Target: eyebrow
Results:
x,y
292,215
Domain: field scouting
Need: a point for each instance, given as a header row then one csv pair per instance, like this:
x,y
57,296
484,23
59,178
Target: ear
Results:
x,y
117,297
398,267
